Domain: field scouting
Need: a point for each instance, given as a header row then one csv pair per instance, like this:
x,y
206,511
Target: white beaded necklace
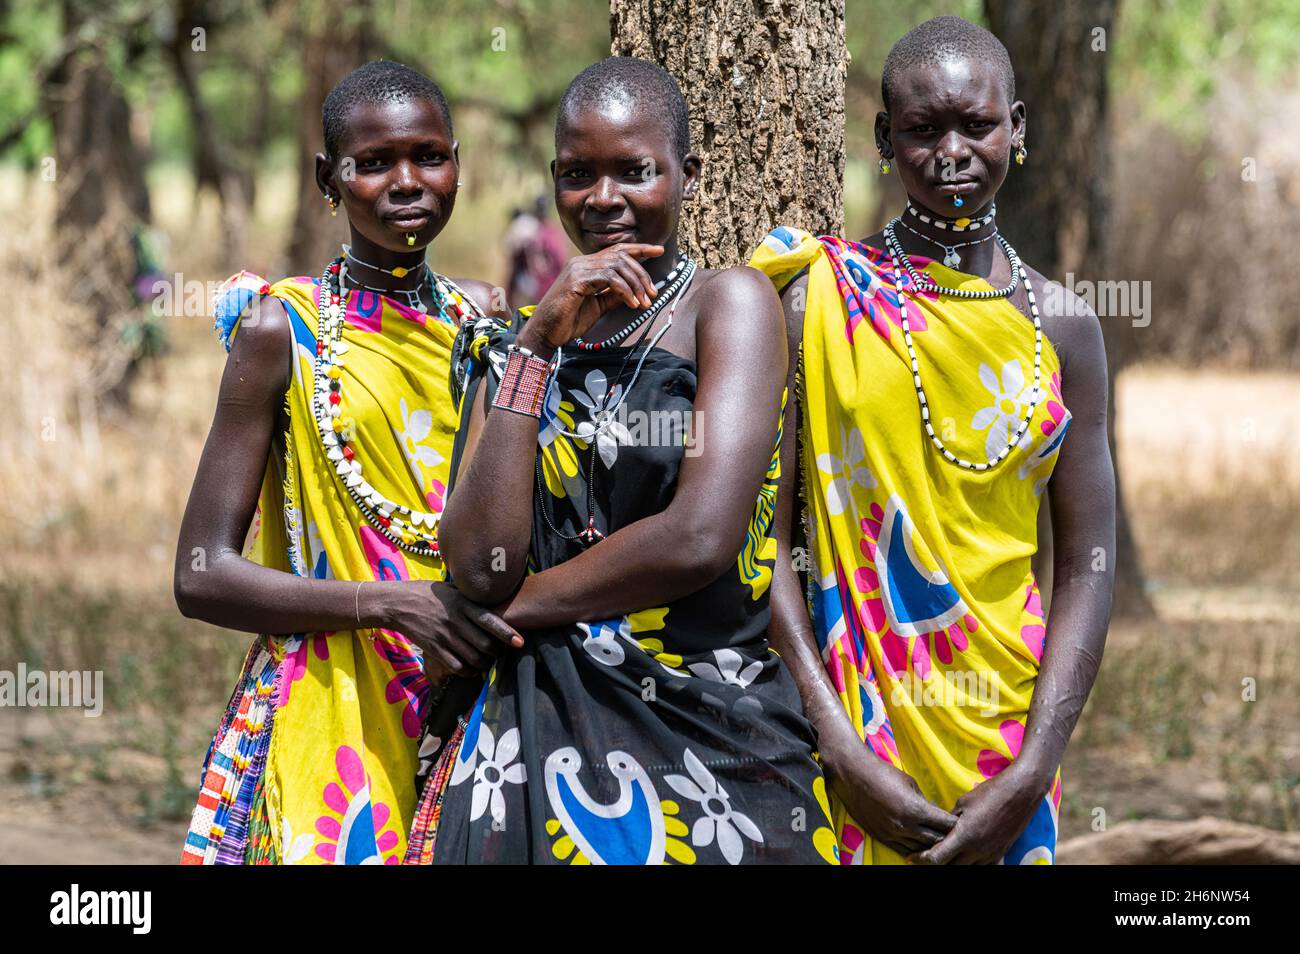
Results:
x,y
901,261
412,530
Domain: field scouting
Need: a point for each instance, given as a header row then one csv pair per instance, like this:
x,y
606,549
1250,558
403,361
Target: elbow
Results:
x,y
705,554
485,587
485,582
190,587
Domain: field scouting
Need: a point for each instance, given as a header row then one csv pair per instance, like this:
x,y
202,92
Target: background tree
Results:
x,y
772,133
1057,205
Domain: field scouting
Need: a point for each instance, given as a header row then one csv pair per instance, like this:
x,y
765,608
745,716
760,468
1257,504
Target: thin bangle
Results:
x,y
357,601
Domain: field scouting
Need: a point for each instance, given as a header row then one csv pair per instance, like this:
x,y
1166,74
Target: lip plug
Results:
x,y
958,201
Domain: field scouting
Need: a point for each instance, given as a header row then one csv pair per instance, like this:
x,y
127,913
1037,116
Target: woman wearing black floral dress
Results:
x,y
617,477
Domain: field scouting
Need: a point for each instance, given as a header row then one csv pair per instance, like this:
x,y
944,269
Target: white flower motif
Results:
x,y
1010,396
602,641
429,747
494,770
719,819
602,403
728,668
294,849
416,427
847,472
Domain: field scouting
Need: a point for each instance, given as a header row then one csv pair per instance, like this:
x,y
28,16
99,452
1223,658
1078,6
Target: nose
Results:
x,y
404,179
604,195
952,149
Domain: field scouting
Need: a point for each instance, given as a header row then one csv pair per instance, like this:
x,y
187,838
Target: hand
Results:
x,y
457,636
884,800
588,287
990,817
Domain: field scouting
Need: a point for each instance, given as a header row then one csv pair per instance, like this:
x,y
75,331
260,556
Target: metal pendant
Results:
x,y
951,258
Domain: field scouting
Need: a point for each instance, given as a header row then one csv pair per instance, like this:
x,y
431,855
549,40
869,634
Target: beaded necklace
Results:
x,y
901,262
412,530
963,224
950,256
673,283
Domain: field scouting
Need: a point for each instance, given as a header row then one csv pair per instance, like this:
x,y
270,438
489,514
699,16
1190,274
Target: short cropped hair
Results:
x,y
629,79
940,40
380,81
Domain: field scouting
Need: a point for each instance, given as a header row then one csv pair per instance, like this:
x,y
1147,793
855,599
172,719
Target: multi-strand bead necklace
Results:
x,y
412,530
902,263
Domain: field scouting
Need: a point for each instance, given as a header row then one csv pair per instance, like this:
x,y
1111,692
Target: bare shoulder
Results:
x,y
488,297
740,297
1069,322
263,333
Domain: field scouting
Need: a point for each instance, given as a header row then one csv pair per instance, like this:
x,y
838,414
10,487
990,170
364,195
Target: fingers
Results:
x,y
615,284
934,818
464,655
639,251
638,279
497,628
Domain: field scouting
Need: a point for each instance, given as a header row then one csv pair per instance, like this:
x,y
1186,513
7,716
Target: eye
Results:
x,y
435,158
921,129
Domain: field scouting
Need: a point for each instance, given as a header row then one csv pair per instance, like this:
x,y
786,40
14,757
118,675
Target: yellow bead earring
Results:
x,y
1021,152
334,204
884,166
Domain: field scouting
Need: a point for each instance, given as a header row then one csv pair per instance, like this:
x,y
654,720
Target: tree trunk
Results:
x,y
1056,204
333,44
765,87
102,200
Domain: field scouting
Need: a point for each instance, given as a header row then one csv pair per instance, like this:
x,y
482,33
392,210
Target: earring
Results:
x,y
1021,152
884,166
334,204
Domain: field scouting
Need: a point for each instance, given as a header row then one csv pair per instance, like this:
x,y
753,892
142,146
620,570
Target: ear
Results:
x,y
883,143
552,170
691,167
325,180
1018,124
455,152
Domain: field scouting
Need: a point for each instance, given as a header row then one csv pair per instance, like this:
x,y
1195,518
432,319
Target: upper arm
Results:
x,y
793,297
741,354
474,430
490,298
1082,488
229,477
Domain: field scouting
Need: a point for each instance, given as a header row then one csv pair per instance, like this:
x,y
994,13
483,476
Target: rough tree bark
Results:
x,y
334,43
765,85
1056,205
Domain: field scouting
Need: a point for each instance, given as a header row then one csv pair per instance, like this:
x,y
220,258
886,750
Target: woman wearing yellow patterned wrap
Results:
x,y
932,413
333,436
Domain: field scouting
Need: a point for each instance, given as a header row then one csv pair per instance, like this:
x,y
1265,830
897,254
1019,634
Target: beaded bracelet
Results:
x,y
523,384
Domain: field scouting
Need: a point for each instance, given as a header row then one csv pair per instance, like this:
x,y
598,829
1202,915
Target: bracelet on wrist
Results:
x,y
523,384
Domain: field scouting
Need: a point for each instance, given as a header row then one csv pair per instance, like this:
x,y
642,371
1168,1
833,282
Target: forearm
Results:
x,y
648,563
1076,637
235,593
790,634
485,531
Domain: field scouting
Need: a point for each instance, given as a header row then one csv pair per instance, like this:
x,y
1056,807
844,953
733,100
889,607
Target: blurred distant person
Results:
x,y
535,251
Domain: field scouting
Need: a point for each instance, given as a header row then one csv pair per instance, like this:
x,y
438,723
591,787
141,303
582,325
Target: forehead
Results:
x,y
393,121
954,83
616,127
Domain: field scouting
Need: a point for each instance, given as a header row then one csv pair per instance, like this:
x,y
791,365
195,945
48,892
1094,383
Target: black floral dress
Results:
x,y
672,735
